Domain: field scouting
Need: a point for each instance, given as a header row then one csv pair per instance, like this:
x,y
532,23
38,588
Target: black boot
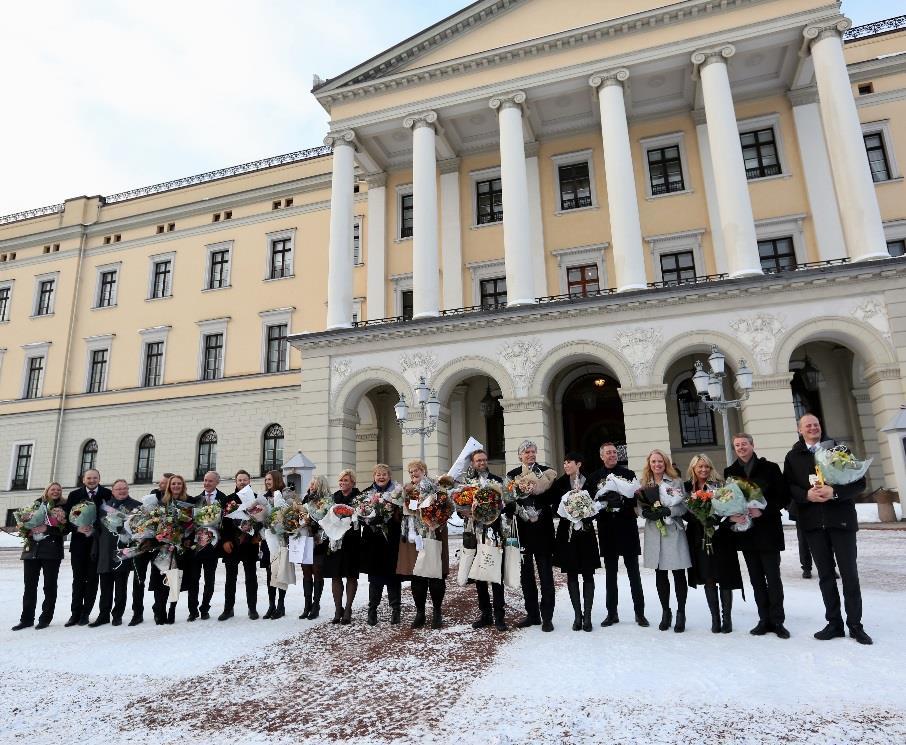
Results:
x,y
374,598
394,597
316,600
572,584
337,615
171,614
666,619
714,607
438,589
680,626
437,620
271,599
499,623
307,587
419,597
483,621
280,610
588,598
726,601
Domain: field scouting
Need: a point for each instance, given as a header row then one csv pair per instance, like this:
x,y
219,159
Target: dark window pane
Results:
x,y
489,201
696,420
678,267
896,248
759,151
777,255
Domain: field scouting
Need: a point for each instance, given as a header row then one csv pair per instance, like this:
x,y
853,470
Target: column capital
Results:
x,y
515,99
704,57
803,96
422,119
450,165
531,149
878,373
340,137
617,76
818,31
376,180
778,382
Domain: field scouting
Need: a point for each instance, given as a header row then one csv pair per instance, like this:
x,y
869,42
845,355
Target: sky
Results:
x,y
103,96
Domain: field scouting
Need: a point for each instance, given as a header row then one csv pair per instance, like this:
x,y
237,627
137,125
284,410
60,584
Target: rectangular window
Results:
x,y
894,248
678,267
406,304
489,196
759,151
406,216
219,272
45,297
213,357
22,467
356,243
582,280
281,258
154,364
98,371
163,273
277,348
4,303
575,186
35,376
665,170
493,292
107,289
777,255
877,156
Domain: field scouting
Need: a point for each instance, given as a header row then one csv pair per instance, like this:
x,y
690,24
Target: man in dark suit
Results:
x,y
204,560
84,564
238,547
141,563
762,543
828,517
618,535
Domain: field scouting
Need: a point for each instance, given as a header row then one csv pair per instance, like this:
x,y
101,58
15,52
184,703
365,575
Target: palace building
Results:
x,y
551,216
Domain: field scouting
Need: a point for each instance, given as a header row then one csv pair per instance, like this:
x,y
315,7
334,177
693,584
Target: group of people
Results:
x,y
389,551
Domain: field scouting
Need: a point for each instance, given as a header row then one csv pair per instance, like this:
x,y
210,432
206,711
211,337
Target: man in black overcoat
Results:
x,y
83,559
204,560
237,547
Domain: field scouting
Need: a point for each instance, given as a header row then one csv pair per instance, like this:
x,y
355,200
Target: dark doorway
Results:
x,y
592,414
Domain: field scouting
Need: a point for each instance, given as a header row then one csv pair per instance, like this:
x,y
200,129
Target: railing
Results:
x,y
762,172
690,281
896,23
53,209
570,296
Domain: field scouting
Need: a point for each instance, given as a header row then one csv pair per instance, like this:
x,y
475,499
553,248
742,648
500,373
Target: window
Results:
x,y
582,280
106,289
357,243
406,304
22,467
777,254
4,302
696,420
228,215
34,377
88,459
575,186
272,449
877,156
219,269
678,267
213,357
665,170
207,454
144,463
894,248
493,292
45,297
154,364
406,216
97,375
281,261
161,278
160,229
277,348
489,201
759,151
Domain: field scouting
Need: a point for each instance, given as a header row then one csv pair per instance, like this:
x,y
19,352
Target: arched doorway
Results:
x,y
591,412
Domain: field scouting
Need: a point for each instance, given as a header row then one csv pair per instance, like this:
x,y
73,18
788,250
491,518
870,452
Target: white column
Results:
x,y
734,206
818,180
425,264
856,198
704,152
375,267
451,233
339,255
622,200
533,175
517,238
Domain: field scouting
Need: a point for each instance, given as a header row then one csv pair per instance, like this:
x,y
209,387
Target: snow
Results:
x,y
269,681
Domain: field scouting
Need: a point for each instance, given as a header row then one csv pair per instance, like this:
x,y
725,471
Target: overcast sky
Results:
x,y
101,96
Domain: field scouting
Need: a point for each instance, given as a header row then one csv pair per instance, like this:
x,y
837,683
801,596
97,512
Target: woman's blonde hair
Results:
x,y
347,472
381,467
322,488
670,470
417,463
168,495
696,459
47,489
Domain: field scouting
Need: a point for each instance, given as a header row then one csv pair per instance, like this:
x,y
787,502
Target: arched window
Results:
x,y
144,463
89,457
272,449
207,454
695,419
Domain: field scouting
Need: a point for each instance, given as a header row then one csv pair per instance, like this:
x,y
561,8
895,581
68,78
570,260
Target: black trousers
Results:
x,y
805,555
542,558
84,583
394,585
826,546
114,586
767,586
247,555
484,599
33,569
421,586
139,582
611,568
204,562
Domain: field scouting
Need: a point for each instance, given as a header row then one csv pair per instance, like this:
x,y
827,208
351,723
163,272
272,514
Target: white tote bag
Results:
x,y
512,567
466,557
173,579
488,563
429,562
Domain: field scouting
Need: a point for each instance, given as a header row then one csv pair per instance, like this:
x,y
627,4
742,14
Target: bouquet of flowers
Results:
x,y
84,513
372,508
435,510
40,513
730,500
616,485
318,508
336,522
207,525
293,520
700,504
462,497
653,498
114,519
487,504
577,505
838,466
518,488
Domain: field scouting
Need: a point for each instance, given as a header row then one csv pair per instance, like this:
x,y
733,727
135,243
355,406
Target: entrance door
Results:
x,y
592,414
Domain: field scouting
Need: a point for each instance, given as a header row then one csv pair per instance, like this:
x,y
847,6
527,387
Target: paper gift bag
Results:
x,y
488,563
466,557
429,563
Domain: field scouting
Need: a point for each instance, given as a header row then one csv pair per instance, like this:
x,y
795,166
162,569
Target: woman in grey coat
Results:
x,y
666,547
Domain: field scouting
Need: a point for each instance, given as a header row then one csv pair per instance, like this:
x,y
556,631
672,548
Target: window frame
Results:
x,y
570,159
273,238
358,254
772,121
149,336
200,470
52,277
93,344
275,317
583,282
569,258
100,273
264,451
475,177
6,304
882,129
209,328
685,383
491,192
482,270
672,139
774,240
687,240
786,226
92,460
495,294
14,465
35,350
402,191
147,476
401,283
211,250
153,261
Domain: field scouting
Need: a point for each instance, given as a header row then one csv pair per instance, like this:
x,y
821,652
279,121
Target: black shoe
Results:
x,y
347,617
419,619
586,622
159,620
278,613
437,622
117,622
611,618
136,620
641,620
84,621
171,614
205,615
99,621
269,613
337,616
253,614
806,574
781,631
227,614
73,621
372,617
192,617
395,615
830,632
528,621
858,633
500,624
577,622
482,622
680,626
21,625
314,612
305,611
42,624
666,620
761,628
547,626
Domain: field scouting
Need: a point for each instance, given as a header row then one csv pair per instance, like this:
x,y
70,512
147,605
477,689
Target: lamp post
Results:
x,y
710,388
430,411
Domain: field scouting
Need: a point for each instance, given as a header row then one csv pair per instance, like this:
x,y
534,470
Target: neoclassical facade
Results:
x,y
548,216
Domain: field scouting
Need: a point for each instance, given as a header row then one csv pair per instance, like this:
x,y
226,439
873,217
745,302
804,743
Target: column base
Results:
x,y
874,256
333,327
628,288
746,273
426,314
514,303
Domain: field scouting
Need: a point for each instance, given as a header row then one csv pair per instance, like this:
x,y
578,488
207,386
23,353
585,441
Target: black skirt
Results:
x,y
380,549
577,552
720,565
347,560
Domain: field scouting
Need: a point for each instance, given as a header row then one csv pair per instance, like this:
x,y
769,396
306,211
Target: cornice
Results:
x,y
779,382
56,235
534,403
803,96
871,69
649,393
879,373
875,99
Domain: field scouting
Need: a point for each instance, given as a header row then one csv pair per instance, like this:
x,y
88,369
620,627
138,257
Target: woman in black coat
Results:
x,y
312,574
164,612
43,554
576,549
380,552
343,562
716,568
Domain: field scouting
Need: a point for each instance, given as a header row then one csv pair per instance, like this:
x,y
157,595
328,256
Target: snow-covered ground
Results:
x,y
299,681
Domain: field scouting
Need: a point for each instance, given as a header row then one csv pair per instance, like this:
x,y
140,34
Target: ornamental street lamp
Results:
x,y
429,406
710,388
